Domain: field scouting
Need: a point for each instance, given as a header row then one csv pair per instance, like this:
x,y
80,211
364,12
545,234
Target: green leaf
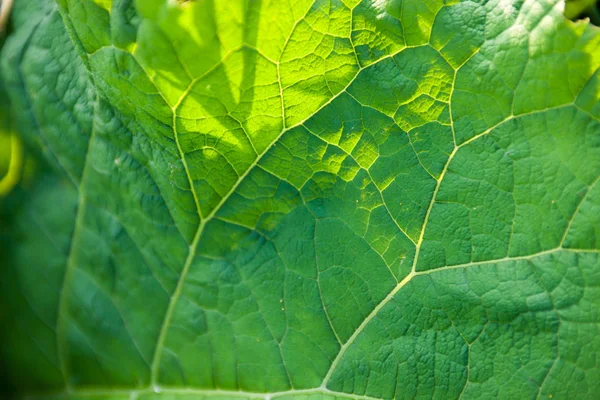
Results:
x,y
315,199
574,8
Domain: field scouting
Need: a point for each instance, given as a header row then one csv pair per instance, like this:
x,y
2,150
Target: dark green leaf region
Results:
x,y
302,200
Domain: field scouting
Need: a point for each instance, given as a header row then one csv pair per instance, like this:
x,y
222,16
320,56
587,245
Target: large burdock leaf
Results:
x,y
309,199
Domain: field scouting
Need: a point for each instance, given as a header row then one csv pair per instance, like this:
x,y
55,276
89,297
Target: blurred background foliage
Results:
x,y
579,9
11,151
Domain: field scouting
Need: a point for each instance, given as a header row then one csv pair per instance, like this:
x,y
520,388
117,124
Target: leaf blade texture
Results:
x,y
313,199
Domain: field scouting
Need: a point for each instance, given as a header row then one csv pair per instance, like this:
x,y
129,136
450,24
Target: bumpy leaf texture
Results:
x,y
303,199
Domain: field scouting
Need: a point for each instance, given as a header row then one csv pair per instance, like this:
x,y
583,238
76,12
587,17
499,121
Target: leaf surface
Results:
x,y
310,199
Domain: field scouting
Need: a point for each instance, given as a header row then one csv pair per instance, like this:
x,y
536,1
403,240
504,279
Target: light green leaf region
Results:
x,y
304,199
